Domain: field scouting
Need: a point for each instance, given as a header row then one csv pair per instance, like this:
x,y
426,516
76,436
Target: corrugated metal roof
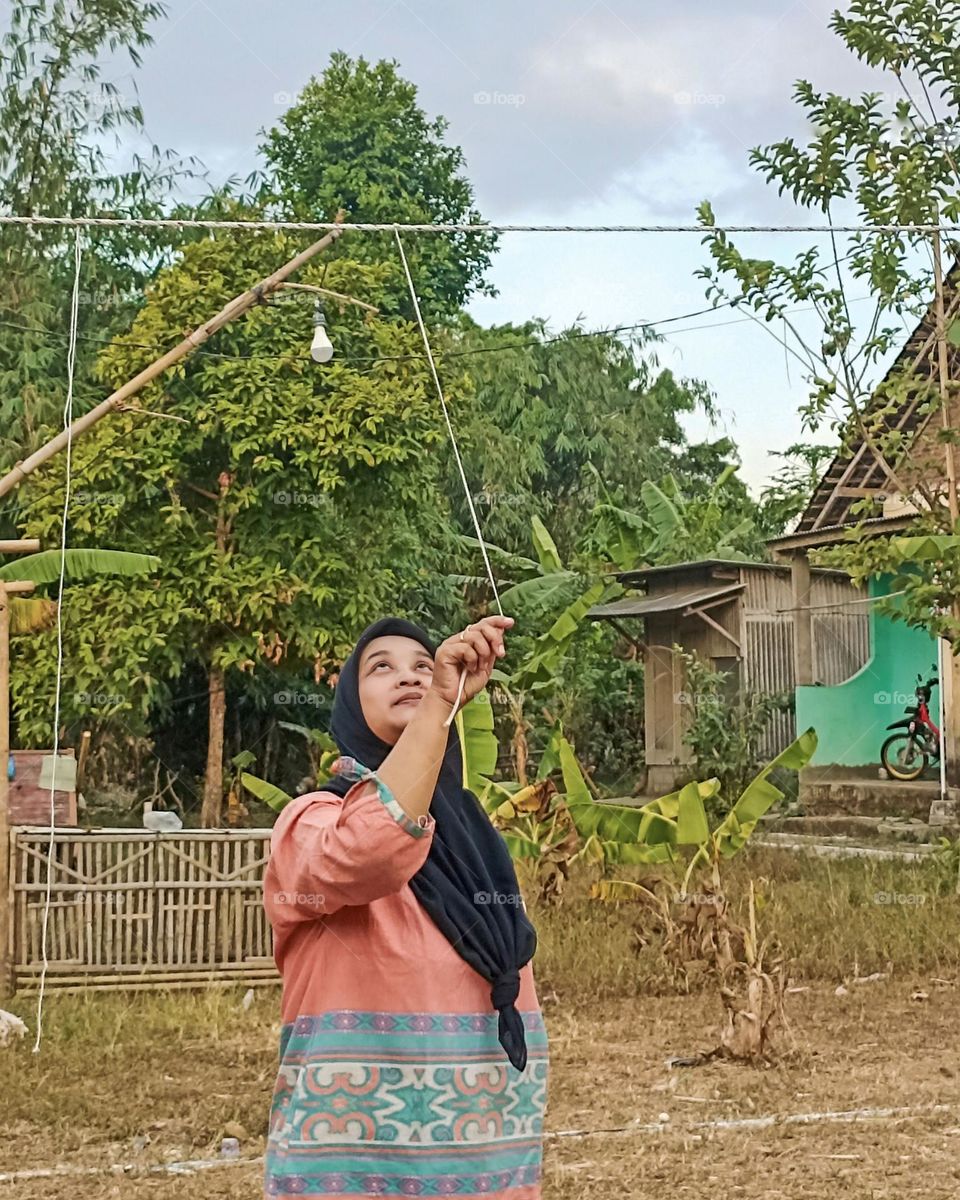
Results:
x,y
644,606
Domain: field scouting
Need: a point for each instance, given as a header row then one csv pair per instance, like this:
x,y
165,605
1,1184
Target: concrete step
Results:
x,y
832,792
855,828
840,847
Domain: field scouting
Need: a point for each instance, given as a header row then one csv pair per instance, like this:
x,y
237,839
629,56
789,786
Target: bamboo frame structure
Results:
x,y
137,909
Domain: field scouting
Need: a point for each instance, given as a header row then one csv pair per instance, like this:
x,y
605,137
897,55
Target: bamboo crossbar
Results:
x,y
137,909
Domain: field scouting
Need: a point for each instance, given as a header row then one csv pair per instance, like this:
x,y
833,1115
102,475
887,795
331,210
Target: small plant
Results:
x,y
727,729
694,920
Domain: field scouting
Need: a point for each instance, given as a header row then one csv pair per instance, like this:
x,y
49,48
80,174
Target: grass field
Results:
x,y
184,1069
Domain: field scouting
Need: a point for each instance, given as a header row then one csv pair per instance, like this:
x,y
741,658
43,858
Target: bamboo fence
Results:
x,y
137,909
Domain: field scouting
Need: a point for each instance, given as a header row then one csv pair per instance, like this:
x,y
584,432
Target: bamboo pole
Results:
x,y
235,308
950,678
7,983
6,910
944,373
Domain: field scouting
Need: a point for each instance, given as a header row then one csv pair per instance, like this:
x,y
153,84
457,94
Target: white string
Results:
x,y
450,227
456,451
68,425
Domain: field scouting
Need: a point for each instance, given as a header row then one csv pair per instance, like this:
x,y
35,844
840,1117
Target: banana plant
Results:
x,y
668,527
31,614
680,820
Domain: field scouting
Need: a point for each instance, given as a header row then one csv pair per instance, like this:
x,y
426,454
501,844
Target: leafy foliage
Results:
x,y
58,117
357,139
880,159
725,731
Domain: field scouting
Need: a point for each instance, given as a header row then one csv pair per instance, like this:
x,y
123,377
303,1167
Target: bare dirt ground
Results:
x,y
113,1072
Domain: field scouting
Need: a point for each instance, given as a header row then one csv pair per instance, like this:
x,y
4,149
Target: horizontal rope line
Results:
x,y
188,1167
370,227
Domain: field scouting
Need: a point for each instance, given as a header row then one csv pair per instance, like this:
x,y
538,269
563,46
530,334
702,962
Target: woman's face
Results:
x,y
394,674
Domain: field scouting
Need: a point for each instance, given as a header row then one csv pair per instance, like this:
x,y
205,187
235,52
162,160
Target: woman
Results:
x,y
413,1052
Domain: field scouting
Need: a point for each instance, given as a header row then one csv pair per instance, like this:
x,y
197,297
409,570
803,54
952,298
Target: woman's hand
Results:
x,y
478,648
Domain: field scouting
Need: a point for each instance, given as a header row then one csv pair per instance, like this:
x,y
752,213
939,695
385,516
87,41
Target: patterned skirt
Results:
x,y
406,1104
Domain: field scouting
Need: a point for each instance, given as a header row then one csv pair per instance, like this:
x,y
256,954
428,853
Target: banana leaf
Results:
x,y
692,826
550,647
478,742
550,758
78,564
760,795
664,515
545,547
269,793
541,591
626,854
608,822
574,785
521,847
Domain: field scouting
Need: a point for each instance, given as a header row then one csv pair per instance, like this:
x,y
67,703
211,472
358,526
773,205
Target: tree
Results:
x,y
288,502
357,139
57,117
873,166
787,494
546,415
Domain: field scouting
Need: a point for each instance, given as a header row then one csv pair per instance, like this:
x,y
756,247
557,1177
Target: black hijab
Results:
x,y
468,884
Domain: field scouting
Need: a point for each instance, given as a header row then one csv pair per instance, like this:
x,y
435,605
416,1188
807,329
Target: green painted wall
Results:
x,y
851,718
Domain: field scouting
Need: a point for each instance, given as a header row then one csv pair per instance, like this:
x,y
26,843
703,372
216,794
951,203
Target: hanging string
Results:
x,y
456,450
68,425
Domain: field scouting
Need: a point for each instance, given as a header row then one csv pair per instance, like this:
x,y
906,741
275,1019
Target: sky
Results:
x,y
568,112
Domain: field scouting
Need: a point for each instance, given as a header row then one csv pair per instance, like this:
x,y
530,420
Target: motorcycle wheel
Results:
x,y
903,757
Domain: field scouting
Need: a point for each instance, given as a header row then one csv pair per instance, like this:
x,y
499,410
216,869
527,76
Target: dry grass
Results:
x,y
180,1067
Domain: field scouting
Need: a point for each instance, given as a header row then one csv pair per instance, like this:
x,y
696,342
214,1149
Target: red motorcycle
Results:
x,y
907,754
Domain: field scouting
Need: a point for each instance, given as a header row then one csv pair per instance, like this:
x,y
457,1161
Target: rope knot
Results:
x,y
506,989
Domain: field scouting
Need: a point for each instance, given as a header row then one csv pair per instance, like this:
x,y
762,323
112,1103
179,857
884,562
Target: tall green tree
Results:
x,y
546,414
357,139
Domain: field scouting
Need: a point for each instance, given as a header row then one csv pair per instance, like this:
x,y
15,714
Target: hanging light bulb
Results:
x,y
321,348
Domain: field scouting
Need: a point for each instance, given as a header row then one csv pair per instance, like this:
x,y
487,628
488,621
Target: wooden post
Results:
x,y
7,981
6,909
951,684
944,373
802,620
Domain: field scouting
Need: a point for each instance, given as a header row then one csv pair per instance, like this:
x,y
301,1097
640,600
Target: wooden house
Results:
x,y
739,617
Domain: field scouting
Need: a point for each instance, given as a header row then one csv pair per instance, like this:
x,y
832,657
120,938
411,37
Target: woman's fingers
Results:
x,y
487,641
492,629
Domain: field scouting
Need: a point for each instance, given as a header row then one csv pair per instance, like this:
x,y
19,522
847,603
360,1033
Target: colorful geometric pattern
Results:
x,y
406,1104
352,768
